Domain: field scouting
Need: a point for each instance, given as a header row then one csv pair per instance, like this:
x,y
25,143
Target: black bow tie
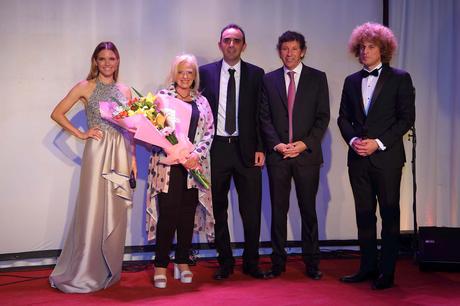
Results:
x,y
374,72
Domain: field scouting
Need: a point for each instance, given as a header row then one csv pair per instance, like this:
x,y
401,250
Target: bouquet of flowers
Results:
x,y
157,122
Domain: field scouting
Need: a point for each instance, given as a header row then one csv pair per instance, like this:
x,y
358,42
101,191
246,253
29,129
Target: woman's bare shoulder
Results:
x,y
84,89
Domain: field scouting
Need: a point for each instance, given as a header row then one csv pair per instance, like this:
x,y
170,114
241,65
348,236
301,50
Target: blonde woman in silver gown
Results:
x,y
92,256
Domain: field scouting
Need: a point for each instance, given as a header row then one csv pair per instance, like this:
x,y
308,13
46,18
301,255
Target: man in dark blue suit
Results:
x,y
294,117
233,89
376,110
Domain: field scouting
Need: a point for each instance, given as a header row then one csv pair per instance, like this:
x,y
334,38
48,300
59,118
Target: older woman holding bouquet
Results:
x,y
93,251
176,202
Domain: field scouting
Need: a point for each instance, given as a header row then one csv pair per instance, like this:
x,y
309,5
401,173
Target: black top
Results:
x,y
193,121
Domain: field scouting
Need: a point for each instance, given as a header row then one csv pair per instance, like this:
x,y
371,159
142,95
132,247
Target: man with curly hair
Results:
x,y
377,108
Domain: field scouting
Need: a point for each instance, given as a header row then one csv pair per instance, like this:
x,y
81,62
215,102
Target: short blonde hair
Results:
x,y
190,59
375,33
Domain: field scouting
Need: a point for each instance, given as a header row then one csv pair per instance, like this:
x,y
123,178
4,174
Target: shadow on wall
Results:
x,y
323,197
60,148
56,141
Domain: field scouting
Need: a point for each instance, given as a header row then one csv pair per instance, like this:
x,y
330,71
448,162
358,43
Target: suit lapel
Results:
x,y
243,86
357,87
280,84
215,89
303,85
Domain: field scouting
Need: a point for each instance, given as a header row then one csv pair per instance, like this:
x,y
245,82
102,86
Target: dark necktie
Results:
x,y
291,99
374,72
230,112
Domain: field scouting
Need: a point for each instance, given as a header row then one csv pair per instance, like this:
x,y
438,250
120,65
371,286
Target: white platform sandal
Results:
x,y
185,276
159,281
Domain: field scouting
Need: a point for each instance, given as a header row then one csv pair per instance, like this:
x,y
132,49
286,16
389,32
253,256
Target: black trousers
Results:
x,y
369,184
226,162
306,180
176,213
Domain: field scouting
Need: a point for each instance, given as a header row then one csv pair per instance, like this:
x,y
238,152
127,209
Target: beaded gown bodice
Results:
x,y
102,92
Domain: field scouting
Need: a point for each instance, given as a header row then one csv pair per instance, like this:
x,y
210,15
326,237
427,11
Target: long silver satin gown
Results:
x,y
93,251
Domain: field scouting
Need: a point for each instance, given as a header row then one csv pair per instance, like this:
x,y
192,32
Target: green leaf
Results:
x,y
137,92
116,100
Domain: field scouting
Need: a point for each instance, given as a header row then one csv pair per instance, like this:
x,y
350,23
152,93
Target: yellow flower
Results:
x,y
150,114
160,119
150,97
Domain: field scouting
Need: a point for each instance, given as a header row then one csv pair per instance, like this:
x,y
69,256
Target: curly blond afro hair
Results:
x,y
377,34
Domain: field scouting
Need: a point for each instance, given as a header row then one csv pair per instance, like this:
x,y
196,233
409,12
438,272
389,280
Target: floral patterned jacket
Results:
x,y
158,177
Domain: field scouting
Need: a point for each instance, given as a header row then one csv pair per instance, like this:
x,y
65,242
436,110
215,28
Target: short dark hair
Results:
x,y
233,26
291,36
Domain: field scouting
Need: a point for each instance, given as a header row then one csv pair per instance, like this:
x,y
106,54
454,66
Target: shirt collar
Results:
x,y
226,66
378,67
297,69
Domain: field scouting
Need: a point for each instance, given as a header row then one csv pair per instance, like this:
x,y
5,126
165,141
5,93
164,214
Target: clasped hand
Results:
x,y
364,147
192,162
292,149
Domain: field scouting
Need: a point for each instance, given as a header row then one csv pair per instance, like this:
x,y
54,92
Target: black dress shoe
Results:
x,y
255,272
359,277
223,273
314,273
384,281
275,271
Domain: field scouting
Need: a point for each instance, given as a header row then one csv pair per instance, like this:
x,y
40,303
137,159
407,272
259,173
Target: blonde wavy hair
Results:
x,y
190,59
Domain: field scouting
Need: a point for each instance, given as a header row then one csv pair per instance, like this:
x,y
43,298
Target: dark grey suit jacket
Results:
x,y
311,114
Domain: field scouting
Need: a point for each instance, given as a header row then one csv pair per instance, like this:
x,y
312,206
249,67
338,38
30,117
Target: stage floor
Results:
x,y
413,287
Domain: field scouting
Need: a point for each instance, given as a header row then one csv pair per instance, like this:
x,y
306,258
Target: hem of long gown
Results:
x,y
115,174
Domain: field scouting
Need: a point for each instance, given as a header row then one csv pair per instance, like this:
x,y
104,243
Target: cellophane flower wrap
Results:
x,y
156,121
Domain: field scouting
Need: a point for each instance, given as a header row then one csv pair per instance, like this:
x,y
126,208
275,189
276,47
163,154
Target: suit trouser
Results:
x,y
369,184
176,212
306,180
226,162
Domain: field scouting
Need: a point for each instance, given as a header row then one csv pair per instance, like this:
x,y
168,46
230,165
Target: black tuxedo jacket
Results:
x,y
390,115
310,114
248,104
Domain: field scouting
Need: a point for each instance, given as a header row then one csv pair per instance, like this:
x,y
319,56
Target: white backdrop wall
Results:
x,y
46,49
429,48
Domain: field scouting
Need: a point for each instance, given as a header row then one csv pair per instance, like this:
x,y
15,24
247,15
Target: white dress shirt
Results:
x,y
297,71
221,111
367,89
